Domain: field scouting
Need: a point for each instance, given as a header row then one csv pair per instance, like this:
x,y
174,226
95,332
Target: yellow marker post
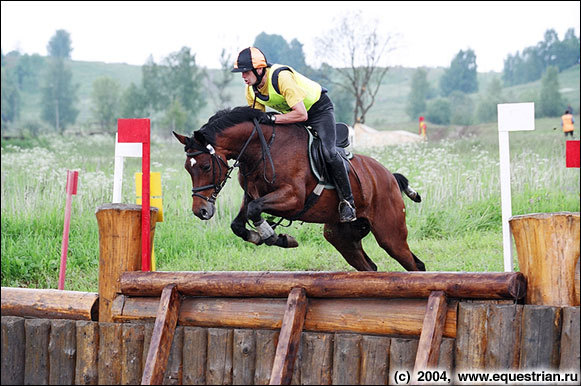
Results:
x,y
155,200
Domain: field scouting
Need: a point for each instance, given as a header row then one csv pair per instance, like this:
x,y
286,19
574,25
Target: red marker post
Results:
x,y
72,178
572,154
138,130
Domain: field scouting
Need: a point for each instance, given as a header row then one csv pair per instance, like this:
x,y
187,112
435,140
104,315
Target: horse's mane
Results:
x,y
226,118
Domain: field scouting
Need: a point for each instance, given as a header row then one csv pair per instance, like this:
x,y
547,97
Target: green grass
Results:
x,y
457,226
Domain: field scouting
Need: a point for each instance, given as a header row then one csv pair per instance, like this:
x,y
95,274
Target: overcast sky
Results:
x,y
427,33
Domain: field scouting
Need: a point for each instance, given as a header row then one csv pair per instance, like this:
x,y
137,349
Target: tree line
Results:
x,y
451,103
172,91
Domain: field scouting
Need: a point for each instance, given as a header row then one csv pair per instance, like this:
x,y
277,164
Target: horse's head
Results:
x,y
208,170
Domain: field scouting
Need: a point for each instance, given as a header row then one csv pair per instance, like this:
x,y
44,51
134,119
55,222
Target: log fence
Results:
x,y
274,327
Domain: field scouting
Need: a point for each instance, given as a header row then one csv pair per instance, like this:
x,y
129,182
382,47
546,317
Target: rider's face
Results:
x,y
249,77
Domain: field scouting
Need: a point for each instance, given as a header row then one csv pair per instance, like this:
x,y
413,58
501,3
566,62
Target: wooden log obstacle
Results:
x,y
354,325
548,254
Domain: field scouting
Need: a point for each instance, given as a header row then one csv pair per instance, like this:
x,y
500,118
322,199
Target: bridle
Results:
x,y
216,160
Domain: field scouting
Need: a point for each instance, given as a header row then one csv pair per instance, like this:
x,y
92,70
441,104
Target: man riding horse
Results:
x,y
299,99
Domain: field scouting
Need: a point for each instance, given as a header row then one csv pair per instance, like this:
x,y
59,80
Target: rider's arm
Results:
x,y
298,114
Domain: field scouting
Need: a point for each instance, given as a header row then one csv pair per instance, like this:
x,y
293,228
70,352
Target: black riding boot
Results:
x,y
346,202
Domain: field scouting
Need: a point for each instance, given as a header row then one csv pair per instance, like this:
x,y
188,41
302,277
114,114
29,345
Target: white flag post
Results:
x,y
122,150
511,117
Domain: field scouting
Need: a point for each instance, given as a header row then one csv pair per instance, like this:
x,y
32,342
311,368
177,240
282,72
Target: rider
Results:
x,y
299,99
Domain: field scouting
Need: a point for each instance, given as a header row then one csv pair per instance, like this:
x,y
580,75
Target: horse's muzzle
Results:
x,y
206,211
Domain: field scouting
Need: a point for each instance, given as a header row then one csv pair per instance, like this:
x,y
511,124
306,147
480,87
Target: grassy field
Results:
x,y
457,227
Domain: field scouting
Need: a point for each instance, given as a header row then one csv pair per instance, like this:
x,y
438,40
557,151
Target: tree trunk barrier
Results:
x,y
275,327
547,245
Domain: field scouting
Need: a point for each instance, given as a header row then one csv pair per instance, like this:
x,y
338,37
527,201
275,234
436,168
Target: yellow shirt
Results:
x,y
288,86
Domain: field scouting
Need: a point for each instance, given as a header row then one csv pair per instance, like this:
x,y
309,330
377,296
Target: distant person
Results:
x,y
299,99
423,127
567,122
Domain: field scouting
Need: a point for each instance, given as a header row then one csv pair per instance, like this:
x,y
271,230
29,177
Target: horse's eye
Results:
x,y
206,167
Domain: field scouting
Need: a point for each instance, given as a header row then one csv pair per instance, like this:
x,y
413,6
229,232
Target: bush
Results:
x,y
439,112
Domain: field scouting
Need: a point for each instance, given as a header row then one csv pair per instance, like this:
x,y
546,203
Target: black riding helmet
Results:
x,y
249,59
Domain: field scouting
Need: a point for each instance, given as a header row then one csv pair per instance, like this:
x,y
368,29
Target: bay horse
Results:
x,y
275,174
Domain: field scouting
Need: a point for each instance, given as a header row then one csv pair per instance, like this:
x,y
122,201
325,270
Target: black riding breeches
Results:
x,y
322,119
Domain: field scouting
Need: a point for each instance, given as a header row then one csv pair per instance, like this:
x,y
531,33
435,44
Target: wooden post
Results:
x,y
289,338
547,245
13,344
119,249
432,331
161,340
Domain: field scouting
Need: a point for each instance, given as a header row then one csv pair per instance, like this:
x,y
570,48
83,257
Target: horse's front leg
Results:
x,y
281,200
238,225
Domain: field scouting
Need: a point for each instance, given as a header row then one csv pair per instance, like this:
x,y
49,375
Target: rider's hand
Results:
x,y
268,118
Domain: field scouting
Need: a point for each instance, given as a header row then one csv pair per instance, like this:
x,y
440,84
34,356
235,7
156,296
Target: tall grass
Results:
x,y
457,227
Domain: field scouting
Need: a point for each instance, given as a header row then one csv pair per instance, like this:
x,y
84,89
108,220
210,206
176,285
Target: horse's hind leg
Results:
x,y
392,237
346,237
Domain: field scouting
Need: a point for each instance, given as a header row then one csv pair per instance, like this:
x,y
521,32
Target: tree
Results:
x,y
177,78
27,70
461,75
550,104
59,45
59,96
153,87
439,111
487,110
357,48
183,81
277,50
569,52
105,98
175,116
462,108
220,82
419,92
134,103
533,62
10,97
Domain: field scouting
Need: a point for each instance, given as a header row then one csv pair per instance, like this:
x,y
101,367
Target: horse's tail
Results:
x,y
404,187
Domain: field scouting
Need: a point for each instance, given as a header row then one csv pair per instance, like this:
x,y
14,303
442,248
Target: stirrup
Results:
x,y
346,217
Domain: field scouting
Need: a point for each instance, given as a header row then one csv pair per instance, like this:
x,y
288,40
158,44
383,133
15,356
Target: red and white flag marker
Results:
x,y
138,131
72,178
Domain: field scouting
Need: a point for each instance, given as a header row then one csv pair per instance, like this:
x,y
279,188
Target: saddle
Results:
x,y
316,158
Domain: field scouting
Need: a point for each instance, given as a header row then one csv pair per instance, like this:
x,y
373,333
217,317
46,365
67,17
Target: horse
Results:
x,y
276,177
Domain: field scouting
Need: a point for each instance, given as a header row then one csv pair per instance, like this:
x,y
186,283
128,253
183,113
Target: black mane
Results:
x,y
226,118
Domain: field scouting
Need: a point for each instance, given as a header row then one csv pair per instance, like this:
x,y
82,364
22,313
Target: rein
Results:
x,y
216,160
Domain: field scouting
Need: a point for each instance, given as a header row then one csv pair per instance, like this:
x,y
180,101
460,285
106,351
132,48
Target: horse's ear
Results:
x,y
181,138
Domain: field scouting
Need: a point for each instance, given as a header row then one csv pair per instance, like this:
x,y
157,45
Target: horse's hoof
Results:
x,y
286,241
272,240
254,238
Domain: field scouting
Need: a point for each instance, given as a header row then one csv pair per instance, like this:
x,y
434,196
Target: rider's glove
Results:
x,y
267,118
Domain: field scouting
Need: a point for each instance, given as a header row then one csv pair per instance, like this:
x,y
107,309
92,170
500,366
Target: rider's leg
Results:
x,y
339,174
322,119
